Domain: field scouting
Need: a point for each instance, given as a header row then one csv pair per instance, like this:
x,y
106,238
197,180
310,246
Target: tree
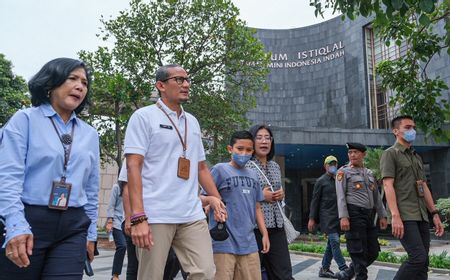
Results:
x,y
12,91
424,25
372,161
227,65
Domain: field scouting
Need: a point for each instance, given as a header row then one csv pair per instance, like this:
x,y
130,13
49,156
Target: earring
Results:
x,y
48,94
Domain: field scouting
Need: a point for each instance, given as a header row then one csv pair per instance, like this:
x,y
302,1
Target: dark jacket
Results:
x,y
324,204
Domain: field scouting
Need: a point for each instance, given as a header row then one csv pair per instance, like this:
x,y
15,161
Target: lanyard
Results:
x,y
183,143
66,142
410,155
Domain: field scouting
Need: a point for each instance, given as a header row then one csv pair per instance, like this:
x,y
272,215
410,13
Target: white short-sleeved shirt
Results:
x,y
167,198
123,176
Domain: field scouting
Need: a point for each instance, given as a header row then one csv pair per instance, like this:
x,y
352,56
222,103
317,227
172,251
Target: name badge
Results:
x,y
59,197
420,188
165,126
183,168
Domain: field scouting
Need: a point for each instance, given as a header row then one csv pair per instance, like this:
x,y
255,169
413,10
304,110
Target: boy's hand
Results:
x,y
265,244
220,211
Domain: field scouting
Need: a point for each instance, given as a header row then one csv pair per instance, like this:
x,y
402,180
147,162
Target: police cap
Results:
x,y
357,146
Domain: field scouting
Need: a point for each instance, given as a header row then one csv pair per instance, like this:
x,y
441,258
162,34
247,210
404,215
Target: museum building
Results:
x,y
324,92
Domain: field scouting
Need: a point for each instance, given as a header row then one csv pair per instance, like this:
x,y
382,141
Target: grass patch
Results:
x,y
436,261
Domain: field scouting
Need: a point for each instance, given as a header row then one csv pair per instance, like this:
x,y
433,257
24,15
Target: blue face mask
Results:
x,y
241,160
409,135
332,169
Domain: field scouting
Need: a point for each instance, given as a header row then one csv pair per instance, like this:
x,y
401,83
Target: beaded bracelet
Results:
x,y
138,220
135,216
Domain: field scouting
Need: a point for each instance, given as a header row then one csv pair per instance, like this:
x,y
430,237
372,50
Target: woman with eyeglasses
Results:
x,y
47,152
276,262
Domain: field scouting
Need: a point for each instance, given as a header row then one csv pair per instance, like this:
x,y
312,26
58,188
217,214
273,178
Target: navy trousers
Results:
x,y
59,249
121,248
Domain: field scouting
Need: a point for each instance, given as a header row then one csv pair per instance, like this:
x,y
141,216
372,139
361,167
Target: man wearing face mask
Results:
x,y
408,198
324,209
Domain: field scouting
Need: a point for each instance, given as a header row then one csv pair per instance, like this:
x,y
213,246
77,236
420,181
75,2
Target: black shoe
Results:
x,y
346,274
326,273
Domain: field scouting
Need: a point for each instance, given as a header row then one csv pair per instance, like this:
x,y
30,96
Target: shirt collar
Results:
x,y
400,147
48,111
169,111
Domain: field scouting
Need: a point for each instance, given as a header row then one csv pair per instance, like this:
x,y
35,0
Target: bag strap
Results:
x,y
268,182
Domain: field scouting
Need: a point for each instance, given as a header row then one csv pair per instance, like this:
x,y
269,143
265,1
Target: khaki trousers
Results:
x,y
237,267
192,245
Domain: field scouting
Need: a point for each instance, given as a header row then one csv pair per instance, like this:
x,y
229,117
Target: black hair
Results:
x,y
53,74
254,131
238,135
163,73
395,123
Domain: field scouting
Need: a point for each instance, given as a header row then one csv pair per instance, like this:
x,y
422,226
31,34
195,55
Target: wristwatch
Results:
x,y
434,212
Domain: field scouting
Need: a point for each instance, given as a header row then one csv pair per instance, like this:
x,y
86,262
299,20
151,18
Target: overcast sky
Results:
x,y
33,32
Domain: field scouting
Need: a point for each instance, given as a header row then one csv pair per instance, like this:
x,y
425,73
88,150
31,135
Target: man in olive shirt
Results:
x,y
408,199
324,209
358,202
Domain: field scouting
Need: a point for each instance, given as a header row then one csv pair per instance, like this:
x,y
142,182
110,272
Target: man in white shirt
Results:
x,y
165,163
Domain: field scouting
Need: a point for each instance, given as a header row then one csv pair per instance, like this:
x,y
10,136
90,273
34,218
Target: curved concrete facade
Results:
x,y
318,100
317,76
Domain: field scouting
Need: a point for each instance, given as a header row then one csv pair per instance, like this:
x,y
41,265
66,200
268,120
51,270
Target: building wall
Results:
x,y
108,176
329,92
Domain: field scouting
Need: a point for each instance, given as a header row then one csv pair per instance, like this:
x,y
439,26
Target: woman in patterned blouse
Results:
x,y
277,262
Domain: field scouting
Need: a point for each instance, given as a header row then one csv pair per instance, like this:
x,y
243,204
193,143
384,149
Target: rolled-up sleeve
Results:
x,y
92,188
13,150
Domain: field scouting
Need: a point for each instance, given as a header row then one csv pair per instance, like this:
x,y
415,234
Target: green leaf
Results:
x,y
424,20
426,5
397,4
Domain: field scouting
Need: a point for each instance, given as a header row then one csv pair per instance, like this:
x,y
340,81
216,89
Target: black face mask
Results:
x,y
219,232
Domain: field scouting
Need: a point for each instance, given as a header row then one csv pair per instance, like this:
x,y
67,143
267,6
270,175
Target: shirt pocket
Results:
x,y
356,183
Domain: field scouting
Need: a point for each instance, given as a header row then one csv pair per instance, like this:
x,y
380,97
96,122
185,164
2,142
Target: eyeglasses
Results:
x,y
180,80
265,138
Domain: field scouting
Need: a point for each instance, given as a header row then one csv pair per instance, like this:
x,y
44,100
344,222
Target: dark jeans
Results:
x,y
416,241
333,250
277,261
362,239
121,248
59,248
132,265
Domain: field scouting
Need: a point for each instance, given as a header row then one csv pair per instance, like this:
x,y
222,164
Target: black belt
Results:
x,y
359,208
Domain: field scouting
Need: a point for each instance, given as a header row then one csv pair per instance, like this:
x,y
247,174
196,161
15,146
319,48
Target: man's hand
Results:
x,y
90,248
141,234
438,226
397,227
383,223
345,224
19,248
265,244
311,225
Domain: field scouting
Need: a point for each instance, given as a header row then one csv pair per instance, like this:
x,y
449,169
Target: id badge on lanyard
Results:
x,y
184,164
60,193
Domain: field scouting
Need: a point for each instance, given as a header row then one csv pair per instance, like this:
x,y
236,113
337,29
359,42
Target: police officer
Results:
x,y
359,203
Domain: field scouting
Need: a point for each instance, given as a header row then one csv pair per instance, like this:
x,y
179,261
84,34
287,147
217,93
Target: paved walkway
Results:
x,y
304,267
